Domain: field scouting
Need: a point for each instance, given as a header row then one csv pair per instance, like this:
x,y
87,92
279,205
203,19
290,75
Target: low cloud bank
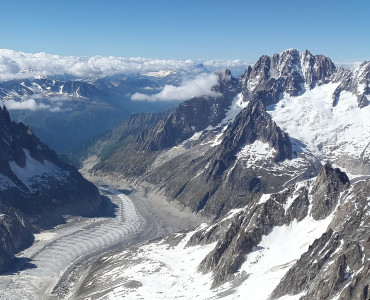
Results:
x,y
201,85
30,104
19,65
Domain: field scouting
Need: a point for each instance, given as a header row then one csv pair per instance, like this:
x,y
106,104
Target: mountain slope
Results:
x,y
275,247
197,145
36,189
103,145
284,216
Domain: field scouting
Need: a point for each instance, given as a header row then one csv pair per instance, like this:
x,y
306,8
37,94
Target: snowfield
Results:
x,y
167,269
154,271
34,174
334,133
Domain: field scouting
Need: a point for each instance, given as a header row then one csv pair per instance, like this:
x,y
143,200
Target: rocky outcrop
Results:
x,y
36,188
336,264
13,237
287,72
239,235
214,179
242,235
326,191
250,125
354,81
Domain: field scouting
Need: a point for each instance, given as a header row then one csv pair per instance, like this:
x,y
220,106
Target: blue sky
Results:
x,y
201,29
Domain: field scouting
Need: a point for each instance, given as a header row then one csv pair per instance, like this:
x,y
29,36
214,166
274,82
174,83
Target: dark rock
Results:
x,y
286,72
326,191
336,264
124,133
356,82
250,125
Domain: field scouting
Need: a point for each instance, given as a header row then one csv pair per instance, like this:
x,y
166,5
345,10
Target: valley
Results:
x,y
253,185
45,270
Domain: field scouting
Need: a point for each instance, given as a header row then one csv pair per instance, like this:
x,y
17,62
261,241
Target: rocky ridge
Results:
x,y
337,259
355,82
124,133
288,72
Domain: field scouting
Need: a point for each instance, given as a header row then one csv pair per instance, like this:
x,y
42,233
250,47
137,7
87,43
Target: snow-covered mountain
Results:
x,y
260,159
287,245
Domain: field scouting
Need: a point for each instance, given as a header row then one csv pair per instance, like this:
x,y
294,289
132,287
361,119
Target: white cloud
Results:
x,y
29,104
32,104
237,66
19,65
201,85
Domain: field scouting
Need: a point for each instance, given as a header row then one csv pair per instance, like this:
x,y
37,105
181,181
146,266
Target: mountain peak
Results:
x,y
289,72
252,124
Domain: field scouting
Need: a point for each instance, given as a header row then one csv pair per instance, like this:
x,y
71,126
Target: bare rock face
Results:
x,y
238,236
13,235
331,260
326,191
215,180
286,72
192,116
356,82
251,124
119,137
337,263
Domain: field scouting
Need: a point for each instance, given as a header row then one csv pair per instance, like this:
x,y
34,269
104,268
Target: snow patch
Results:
x,y
36,173
236,106
163,272
45,236
276,253
6,183
264,198
256,152
160,74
